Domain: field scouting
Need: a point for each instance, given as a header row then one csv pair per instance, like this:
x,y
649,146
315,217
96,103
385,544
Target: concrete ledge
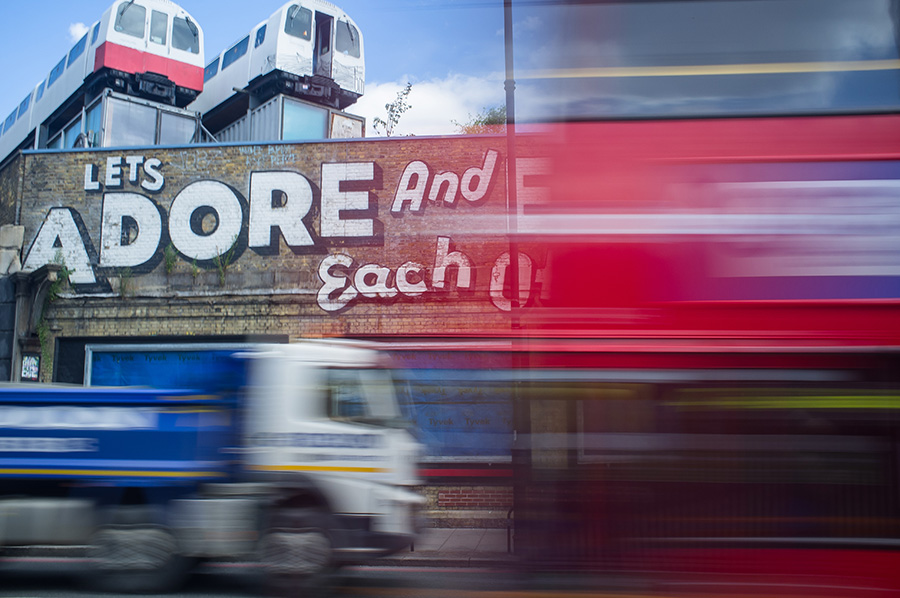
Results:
x,y
473,519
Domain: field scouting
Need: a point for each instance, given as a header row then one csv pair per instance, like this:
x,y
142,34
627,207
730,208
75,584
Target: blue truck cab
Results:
x,y
305,467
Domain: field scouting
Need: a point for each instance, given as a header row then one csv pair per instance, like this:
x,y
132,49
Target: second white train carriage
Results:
x,y
309,49
151,49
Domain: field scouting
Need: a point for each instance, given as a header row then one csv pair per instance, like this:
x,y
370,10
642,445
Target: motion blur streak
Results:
x,y
717,69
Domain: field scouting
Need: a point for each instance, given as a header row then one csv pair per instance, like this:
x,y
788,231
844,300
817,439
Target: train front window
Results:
x,y
130,19
347,41
298,22
260,36
185,35
159,24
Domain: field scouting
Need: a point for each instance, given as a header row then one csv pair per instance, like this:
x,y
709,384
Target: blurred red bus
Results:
x,y
705,364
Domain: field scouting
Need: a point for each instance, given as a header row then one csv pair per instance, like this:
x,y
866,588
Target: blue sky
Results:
x,y
451,50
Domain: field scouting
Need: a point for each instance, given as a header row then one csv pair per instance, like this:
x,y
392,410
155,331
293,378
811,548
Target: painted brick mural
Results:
x,y
365,238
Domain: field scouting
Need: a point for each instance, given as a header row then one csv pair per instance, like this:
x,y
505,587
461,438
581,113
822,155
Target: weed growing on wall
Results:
x,y
169,257
223,260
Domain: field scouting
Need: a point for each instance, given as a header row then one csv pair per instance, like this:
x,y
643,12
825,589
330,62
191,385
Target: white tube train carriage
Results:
x,y
309,49
150,49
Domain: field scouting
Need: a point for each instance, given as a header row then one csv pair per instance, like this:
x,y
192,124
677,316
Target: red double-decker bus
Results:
x,y
705,367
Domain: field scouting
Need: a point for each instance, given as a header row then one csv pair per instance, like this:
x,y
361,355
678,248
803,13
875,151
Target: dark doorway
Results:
x,y
323,51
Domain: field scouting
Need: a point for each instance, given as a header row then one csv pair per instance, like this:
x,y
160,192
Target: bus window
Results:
x,y
159,22
77,50
185,35
130,19
235,52
347,41
298,22
260,36
211,69
734,57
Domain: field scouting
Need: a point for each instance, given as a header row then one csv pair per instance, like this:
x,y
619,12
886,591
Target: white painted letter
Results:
x,y
334,283
151,169
414,196
117,206
452,187
295,200
483,174
411,289
445,258
372,281
91,182
187,236
335,201
113,171
59,234
498,280
133,162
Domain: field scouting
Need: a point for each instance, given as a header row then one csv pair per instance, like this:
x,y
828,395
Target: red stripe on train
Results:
x,y
121,58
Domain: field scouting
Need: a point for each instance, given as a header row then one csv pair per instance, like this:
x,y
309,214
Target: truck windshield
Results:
x,y
364,396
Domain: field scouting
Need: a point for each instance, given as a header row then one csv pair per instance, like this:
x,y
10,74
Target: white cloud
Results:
x,y
77,31
436,103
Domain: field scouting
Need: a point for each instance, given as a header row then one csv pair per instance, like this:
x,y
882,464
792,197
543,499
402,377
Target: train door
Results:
x,y
322,51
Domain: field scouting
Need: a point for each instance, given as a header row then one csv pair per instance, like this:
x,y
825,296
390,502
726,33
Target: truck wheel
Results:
x,y
136,559
297,553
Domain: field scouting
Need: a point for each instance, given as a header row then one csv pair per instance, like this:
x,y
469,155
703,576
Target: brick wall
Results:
x,y
400,259
271,287
468,505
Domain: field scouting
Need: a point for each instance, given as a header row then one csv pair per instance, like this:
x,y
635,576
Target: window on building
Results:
x,y
176,129
347,41
129,124
159,24
71,133
130,19
298,22
302,121
235,52
77,50
92,124
185,35
211,69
